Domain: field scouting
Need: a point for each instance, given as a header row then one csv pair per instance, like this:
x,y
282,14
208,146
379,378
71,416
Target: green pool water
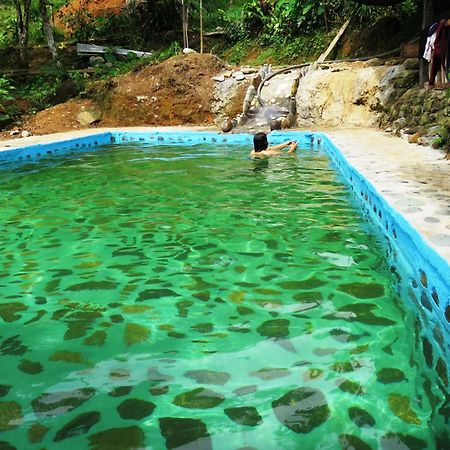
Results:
x,y
170,297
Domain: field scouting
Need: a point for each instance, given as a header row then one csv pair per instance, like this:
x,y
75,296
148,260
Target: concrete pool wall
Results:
x,y
427,262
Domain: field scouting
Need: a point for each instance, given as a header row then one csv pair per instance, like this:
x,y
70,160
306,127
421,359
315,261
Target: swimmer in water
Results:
x,y
262,150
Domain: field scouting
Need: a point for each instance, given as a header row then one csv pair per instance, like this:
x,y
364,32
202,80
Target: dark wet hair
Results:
x,y
260,142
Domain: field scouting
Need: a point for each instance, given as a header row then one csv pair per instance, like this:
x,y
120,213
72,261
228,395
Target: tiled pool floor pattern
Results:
x,y
217,311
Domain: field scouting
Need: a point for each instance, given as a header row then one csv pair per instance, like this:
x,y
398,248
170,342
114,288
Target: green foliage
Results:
x,y
238,52
8,31
173,49
6,110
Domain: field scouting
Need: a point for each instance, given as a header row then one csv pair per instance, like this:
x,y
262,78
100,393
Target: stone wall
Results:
x,y
418,115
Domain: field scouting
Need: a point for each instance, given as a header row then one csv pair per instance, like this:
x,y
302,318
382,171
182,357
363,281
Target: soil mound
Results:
x,y
62,117
178,91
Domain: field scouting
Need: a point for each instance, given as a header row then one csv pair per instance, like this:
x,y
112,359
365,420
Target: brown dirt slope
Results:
x,y
62,117
176,92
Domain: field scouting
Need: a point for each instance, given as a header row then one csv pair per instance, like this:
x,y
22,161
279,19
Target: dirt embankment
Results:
x,y
178,91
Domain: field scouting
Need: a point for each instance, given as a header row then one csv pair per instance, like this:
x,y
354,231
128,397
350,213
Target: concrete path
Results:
x,y
413,179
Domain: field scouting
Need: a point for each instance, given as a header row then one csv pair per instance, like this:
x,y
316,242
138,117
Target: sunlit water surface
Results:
x,y
159,297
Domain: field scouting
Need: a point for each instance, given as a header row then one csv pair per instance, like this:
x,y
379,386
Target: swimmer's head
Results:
x,y
260,142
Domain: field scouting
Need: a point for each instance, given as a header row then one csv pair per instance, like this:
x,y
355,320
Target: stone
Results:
x,y
115,438
141,98
135,408
227,125
360,312
244,415
406,79
219,78
239,76
277,328
374,62
58,403
362,290
4,389
208,376
350,442
414,139
187,50
228,74
154,375
10,415
411,64
36,432
302,409
400,406
270,373
14,132
245,390
351,387
69,357
96,61
120,391
185,433
159,390
390,375
361,417
88,117
400,441
9,312
30,367
135,333
79,425
199,399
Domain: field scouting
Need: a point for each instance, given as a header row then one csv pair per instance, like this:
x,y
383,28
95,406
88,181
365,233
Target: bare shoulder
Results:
x,y
259,155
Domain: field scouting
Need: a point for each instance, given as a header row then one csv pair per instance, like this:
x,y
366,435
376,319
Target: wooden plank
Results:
x,y
325,54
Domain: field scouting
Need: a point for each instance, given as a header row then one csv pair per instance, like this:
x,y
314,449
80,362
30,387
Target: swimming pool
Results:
x,y
171,292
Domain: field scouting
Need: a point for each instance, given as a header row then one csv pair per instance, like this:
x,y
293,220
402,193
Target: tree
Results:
x,y
23,9
48,30
185,4
201,26
427,20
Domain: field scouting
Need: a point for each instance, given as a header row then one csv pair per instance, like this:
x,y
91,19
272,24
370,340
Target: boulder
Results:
x,y
411,64
88,117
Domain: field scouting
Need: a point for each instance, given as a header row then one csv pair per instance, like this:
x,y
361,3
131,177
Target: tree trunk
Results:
x,y
183,23
23,20
201,26
48,30
427,21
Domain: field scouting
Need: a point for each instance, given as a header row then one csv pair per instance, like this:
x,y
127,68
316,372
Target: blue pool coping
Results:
x,y
430,272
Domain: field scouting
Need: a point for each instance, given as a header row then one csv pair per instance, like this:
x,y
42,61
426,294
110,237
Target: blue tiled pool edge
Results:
x,y
430,269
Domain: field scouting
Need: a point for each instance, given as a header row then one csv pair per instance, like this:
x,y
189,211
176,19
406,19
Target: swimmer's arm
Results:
x,y
293,147
271,152
280,146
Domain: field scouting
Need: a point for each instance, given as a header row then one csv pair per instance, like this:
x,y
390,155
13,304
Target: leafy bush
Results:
x,y
6,110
